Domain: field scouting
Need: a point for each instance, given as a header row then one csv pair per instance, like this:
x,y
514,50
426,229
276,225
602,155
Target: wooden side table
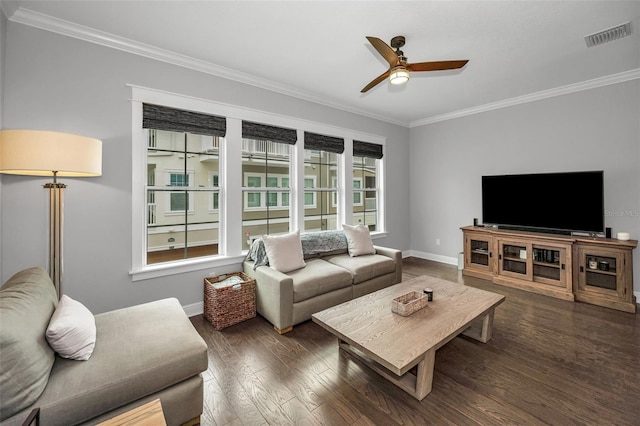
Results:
x,y
149,414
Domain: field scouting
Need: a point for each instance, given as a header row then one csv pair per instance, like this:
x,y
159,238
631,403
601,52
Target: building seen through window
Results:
x,y
365,190
266,191
182,195
321,189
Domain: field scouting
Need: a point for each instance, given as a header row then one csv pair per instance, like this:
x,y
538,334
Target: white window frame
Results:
x,y
230,156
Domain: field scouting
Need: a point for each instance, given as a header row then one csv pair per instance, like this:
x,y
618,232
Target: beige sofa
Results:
x,y
330,277
141,353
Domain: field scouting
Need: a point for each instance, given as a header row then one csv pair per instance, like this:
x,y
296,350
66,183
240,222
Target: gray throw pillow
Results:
x,y
27,301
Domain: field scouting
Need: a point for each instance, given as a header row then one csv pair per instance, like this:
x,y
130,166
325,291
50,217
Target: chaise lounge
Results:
x,y
141,353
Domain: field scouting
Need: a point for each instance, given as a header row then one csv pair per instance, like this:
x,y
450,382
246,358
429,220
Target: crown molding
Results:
x,y
91,35
8,8
532,97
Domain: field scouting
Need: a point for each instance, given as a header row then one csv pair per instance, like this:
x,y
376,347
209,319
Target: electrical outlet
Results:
x,y
212,274
437,241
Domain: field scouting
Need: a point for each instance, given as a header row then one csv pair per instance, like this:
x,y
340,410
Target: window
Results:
x,y
181,224
178,179
322,157
266,158
284,196
254,199
366,157
215,196
310,197
179,201
357,194
202,194
274,198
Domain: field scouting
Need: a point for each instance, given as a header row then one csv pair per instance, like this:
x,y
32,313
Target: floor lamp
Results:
x,y
45,153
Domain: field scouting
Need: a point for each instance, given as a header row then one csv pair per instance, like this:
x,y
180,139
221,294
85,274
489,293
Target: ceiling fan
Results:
x,y
399,68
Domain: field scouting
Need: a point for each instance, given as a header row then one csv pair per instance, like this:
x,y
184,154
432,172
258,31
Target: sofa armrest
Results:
x,y
394,254
274,294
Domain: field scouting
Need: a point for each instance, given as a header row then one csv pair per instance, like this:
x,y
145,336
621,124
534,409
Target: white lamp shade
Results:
x,y
399,75
40,153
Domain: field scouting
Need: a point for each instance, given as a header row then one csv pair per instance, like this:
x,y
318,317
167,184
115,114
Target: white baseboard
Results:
x,y
435,257
194,309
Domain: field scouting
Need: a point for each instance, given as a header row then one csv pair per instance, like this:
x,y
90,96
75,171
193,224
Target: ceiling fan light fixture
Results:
x,y
399,75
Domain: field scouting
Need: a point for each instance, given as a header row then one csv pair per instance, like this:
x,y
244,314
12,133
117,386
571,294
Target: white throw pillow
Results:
x,y
72,330
358,240
284,251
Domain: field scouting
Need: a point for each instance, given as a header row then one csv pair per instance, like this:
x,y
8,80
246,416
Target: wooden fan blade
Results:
x,y
385,50
376,81
437,65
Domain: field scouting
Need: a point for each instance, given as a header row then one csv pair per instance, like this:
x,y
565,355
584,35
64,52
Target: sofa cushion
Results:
x,y
364,267
139,351
27,301
284,251
359,240
318,277
72,330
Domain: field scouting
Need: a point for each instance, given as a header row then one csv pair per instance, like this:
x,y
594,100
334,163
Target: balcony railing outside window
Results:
x,y
151,214
262,146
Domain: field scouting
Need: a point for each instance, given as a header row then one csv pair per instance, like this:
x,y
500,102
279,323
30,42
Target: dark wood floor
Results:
x,y
549,362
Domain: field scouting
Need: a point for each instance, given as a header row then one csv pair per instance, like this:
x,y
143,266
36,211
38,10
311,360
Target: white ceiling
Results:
x,y
317,49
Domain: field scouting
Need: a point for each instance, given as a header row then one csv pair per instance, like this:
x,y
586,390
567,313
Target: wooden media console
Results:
x,y
592,270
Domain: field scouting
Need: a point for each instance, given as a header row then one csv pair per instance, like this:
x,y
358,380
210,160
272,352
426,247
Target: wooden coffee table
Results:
x,y
392,345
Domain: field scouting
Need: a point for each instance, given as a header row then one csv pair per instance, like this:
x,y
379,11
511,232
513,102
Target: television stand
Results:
x,y
592,270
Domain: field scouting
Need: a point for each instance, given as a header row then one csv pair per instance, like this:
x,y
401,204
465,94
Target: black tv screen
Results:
x,y
566,202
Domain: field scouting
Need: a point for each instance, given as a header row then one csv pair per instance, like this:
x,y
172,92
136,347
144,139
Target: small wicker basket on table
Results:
x,y
409,303
228,305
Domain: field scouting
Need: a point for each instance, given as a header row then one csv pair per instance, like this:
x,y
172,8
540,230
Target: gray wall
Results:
x,y
597,129
3,38
58,83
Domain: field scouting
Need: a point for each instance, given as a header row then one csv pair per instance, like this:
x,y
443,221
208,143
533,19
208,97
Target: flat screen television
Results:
x,y
553,202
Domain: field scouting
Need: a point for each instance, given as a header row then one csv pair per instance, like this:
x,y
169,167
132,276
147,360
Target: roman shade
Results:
x,y
270,133
367,149
177,120
323,143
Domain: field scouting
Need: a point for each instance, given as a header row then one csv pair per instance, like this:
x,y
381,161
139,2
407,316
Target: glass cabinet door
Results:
x,y
601,271
479,260
479,252
550,265
514,259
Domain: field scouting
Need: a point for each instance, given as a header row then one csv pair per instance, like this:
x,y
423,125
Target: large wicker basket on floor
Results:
x,y
229,305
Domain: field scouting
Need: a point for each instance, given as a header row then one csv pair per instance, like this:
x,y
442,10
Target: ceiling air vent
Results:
x,y
610,34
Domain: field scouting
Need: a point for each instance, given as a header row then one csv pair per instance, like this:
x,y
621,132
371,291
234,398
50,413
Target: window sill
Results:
x,y
377,235
166,269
